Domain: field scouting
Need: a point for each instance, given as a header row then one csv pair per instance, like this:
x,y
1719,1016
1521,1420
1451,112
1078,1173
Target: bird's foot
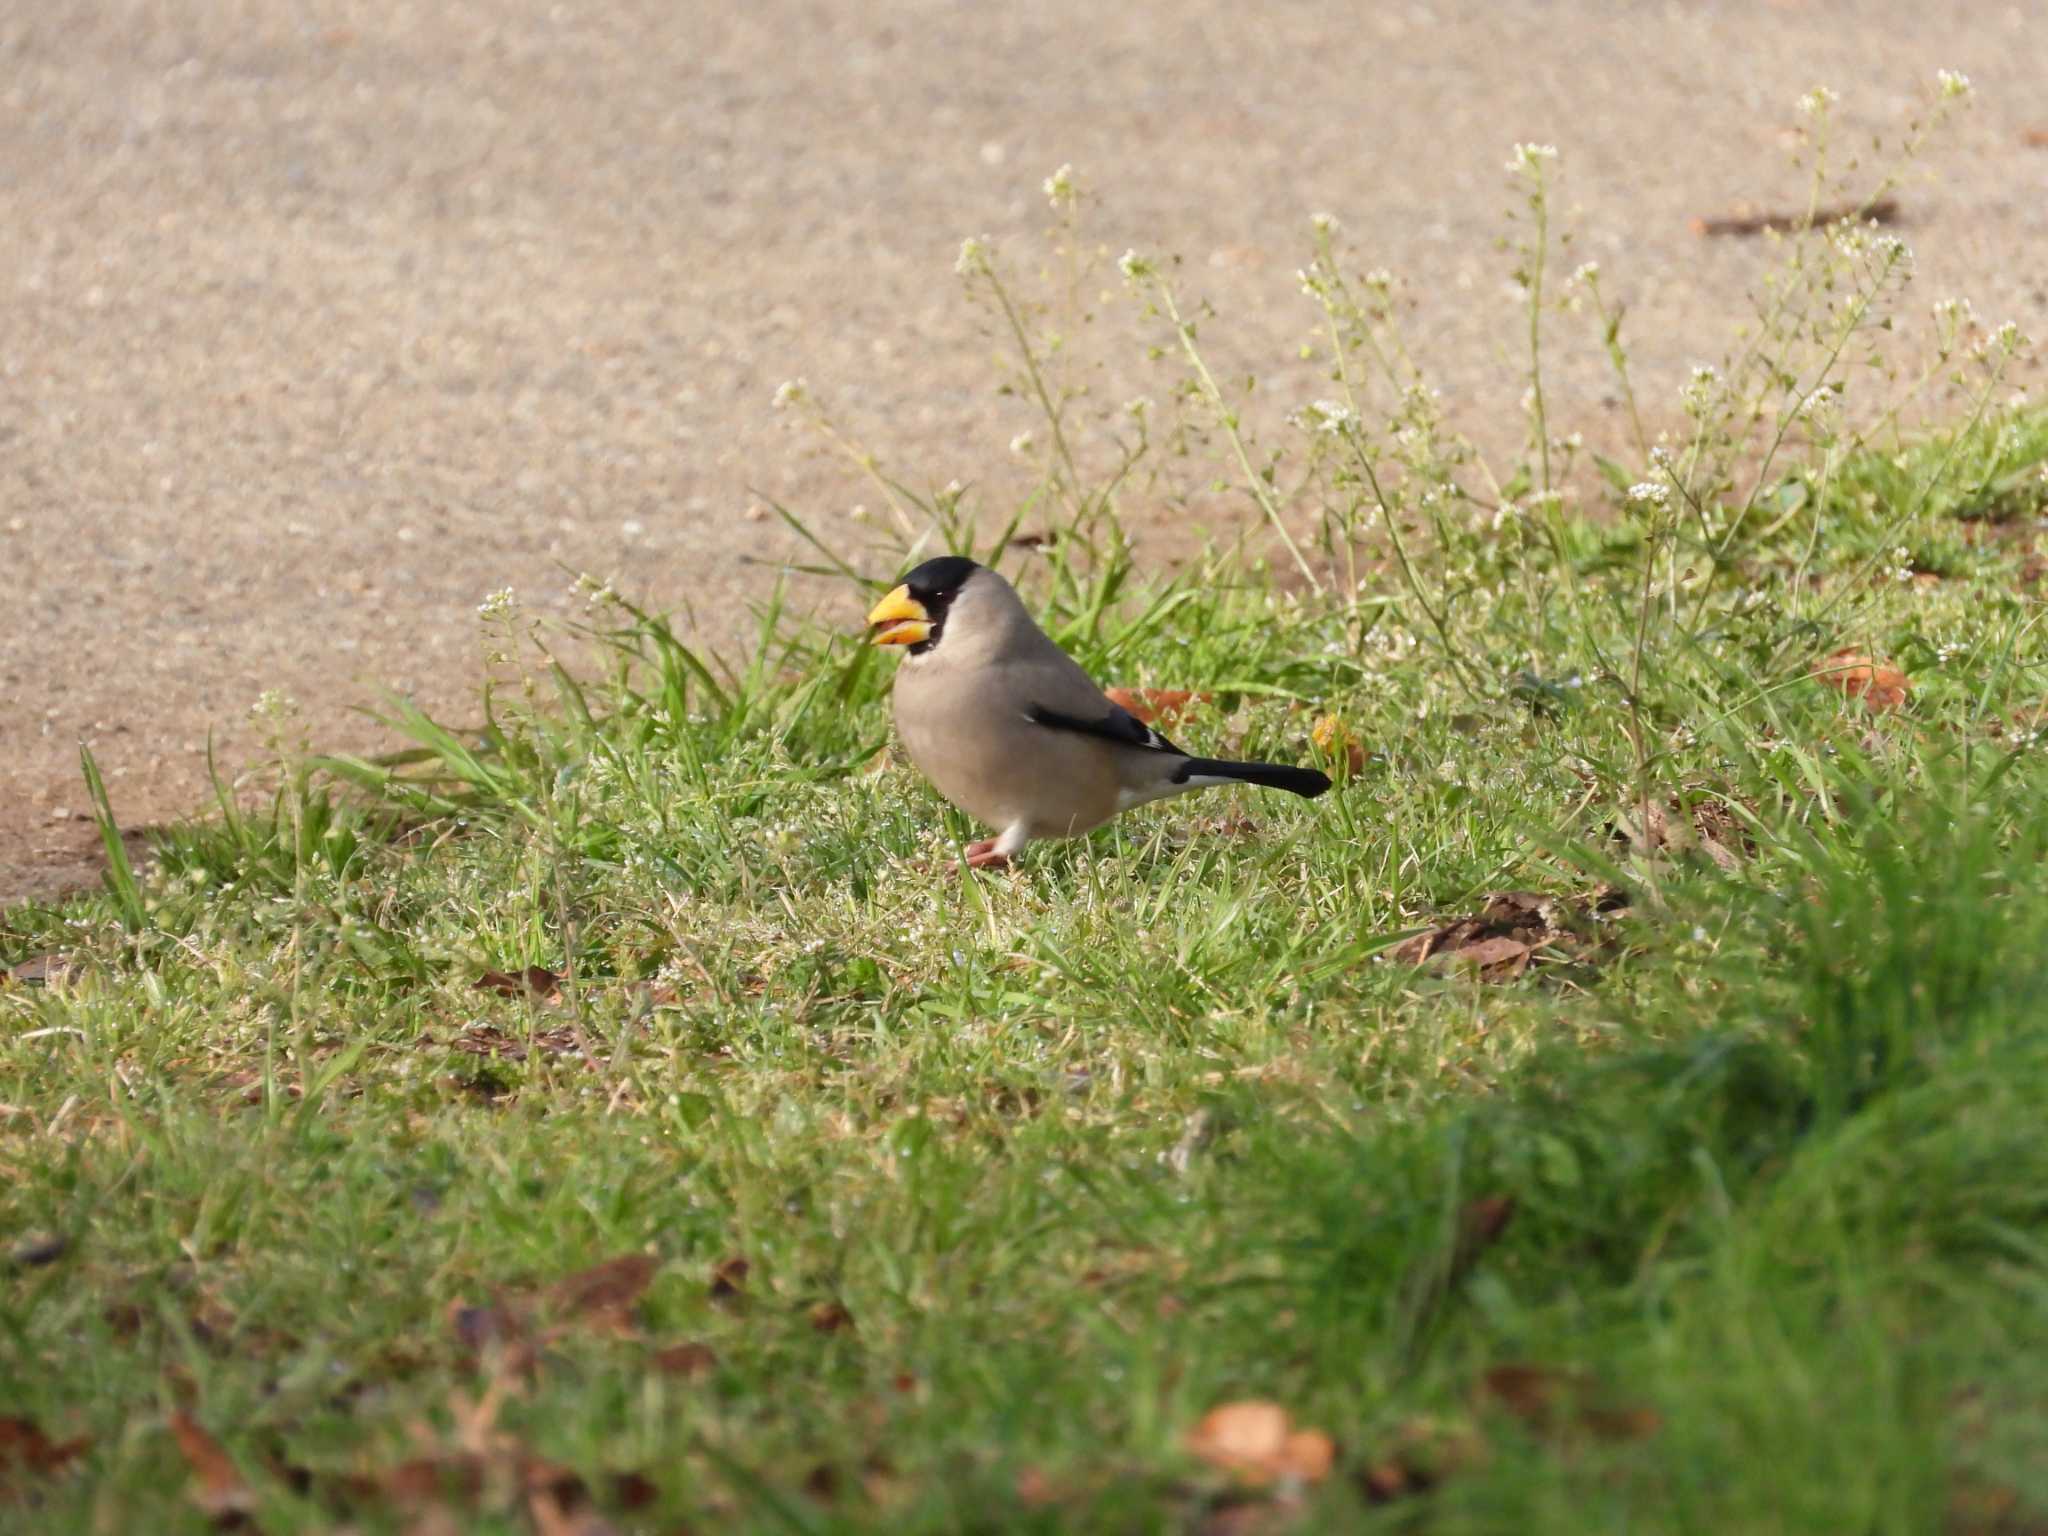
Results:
x,y
985,855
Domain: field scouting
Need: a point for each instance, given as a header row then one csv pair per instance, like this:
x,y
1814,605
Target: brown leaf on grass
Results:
x,y
535,981
217,1485
1256,1442
1420,1456
830,1317
38,1249
26,1453
1746,219
1157,706
1707,826
1512,932
1879,684
1334,738
558,1502
687,1360
496,1332
1980,1508
605,1293
1552,1400
729,1279
489,1040
1248,1515
37,971
1480,1225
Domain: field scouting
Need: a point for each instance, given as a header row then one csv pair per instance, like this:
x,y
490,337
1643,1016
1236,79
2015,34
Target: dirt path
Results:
x,y
324,320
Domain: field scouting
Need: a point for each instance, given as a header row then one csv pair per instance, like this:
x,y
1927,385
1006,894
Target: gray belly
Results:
x,y
1000,768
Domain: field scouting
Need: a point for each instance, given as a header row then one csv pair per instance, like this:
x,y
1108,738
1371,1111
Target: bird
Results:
x,y
1008,727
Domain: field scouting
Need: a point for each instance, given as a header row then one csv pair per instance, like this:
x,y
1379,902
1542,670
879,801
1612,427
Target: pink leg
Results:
x,y
986,855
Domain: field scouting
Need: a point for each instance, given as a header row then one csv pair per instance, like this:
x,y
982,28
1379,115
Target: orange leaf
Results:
x,y
1334,737
1257,1443
830,1317
1153,705
688,1360
24,1448
535,981
217,1486
1879,684
729,1279
607,1291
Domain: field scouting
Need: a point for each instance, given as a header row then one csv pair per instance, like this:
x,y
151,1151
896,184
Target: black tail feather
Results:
x,y
1306,782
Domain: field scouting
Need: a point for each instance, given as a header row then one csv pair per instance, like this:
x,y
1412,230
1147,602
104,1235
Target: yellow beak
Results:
x,y
903,619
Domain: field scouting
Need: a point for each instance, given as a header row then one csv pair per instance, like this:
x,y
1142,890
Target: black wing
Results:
x,y
1119,726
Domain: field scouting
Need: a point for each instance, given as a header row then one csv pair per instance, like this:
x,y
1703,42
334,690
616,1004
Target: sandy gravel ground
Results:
x,y
321,320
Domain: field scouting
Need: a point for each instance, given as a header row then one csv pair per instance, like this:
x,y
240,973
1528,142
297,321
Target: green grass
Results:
x,y
1152,1125
952,1204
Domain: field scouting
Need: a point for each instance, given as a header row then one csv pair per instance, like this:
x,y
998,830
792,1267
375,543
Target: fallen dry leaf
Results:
x,y
1550,1400
729,1279
2035,138
1034,1489
1157,706
1421,1455
1746,220
558,1503
489,1040
27,1453
217,1485
37,971
688,1360
1707,826
496,1331
1879,684
1480,1225
1512,932
1249,1515
1256,1442
1334,737
38,1249
830,1317
605,1293
535,981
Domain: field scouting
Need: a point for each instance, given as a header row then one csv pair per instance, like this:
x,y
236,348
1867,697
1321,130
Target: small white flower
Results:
x,y
1700,389
791,392
1134,267
1060,188
1379,280
1588,273
1952,83
1528,159
1023,443
1325,223
974,256
1331,417
499,606
1816,102
1650,493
